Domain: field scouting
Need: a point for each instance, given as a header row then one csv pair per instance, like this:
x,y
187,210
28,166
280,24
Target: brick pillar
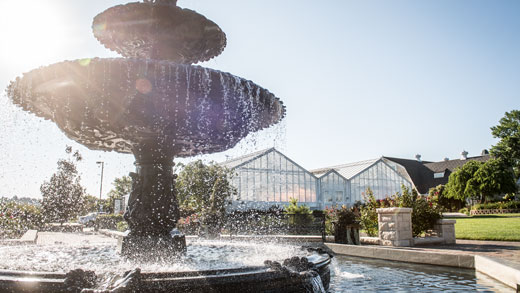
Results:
x,y
395,226
446,230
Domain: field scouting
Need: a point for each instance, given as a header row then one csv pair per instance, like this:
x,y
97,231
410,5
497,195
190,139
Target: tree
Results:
x,y
480,180
63,194
460,183
90,204
508,148
494,177
122,187
205,189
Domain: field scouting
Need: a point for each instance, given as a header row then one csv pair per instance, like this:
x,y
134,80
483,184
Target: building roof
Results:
x,y
417,172
422,173
346,170
453,164
236,162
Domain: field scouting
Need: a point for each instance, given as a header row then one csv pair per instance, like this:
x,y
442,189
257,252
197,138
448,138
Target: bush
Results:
x,y
298,214
424,215
17,218
508,205
464,211
259,222
109,221
189,224
122,226
439,195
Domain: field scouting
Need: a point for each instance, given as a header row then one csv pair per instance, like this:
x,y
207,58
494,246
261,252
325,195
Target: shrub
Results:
x,y
17,218
254,221
368,213
298,214
508,205
424,215
189,225
122,226
109,221
439,195
464,211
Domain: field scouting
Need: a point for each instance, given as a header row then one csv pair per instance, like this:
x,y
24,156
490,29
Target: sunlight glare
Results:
x,y
35,32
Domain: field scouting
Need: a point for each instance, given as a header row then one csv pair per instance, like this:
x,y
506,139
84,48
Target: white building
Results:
x,y
268,178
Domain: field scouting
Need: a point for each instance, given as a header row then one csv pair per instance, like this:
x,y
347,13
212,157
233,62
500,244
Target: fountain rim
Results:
x,y
247,275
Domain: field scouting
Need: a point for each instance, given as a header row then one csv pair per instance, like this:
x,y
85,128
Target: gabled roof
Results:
x,y
243,160
238,161
421,173
453,164
418,173
346,170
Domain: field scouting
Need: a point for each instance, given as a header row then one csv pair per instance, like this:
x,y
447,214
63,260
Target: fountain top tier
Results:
x,y
154,97
159,30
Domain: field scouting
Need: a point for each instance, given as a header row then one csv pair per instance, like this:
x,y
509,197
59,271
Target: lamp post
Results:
x,y
101,185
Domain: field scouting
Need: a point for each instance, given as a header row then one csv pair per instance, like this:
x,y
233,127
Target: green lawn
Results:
x,y
504,227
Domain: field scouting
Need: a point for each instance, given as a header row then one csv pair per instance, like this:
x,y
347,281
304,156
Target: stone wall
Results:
x,y
446,230
395,226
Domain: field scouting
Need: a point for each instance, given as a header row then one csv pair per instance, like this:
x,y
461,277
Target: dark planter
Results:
x,y
346,234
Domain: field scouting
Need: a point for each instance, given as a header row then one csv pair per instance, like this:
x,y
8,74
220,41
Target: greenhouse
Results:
x,y
269,178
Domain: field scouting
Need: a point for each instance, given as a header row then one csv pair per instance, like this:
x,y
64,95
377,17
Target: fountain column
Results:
x,y
152,211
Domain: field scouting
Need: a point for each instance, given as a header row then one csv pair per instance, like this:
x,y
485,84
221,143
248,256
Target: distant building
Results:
x,y
426,175
269,178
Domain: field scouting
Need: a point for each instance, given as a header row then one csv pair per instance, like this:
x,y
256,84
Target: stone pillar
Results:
x,y
446,229
395,226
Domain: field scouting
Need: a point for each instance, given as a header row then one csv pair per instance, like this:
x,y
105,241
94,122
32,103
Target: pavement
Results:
x,y
505,251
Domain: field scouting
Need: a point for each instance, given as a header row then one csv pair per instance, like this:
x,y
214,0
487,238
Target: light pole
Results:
x,y
101,185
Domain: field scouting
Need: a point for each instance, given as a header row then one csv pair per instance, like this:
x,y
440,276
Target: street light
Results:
x,y
101,185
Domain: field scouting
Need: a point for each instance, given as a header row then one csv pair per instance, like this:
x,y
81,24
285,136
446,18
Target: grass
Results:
x,y
500,227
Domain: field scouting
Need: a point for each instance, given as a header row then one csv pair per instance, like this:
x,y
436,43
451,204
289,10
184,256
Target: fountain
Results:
x,y
156,105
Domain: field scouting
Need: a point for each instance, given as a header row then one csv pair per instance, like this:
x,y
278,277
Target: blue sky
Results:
x,y
360,79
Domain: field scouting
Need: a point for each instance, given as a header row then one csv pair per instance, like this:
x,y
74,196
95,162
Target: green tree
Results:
x,y
205,189
494,177
122,187
480,180
63,195
508,148
461,185
90,204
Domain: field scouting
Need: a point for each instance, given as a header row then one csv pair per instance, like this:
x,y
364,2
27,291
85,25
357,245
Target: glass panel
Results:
x,y
339,196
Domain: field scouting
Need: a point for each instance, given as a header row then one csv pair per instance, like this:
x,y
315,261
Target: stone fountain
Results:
x,y
152,103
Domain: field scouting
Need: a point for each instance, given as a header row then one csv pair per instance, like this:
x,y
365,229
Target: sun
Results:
x,y
33,32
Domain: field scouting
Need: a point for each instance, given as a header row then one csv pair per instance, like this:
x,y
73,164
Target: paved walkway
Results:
x,y
506,252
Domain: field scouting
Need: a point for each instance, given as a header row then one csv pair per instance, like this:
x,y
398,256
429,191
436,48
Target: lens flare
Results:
x,y
143,85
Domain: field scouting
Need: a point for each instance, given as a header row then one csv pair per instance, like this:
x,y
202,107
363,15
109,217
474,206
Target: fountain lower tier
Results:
x,y
307,272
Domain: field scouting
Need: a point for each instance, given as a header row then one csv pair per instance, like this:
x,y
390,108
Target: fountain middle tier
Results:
x,y
116,103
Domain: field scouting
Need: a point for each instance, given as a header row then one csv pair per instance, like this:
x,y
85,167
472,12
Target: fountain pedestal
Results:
x,y
152,211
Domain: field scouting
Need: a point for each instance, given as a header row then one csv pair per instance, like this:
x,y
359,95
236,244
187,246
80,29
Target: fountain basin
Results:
x,y
209,266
